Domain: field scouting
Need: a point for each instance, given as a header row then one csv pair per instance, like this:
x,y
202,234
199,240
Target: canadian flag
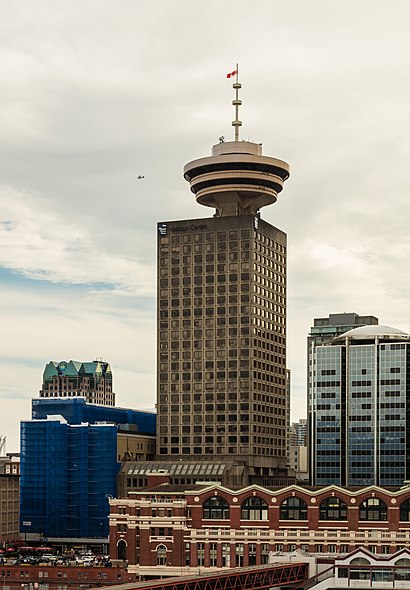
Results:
x,y
232,74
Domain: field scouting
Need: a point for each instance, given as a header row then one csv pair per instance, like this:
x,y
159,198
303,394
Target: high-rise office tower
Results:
x,y
360,389
222,316
325,329
91,380
322,332
298,433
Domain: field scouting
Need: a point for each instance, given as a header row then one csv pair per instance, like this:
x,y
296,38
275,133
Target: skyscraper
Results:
x,y
222,316
325,329
359,395
298,433
322,332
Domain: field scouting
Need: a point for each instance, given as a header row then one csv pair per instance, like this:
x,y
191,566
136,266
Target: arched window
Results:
x,y
373,509
403,561
405,510
293,509
356,573
360,561
333,509
216,508
254,509
122,550
161,555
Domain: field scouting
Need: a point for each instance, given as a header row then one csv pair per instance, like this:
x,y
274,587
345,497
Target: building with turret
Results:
x,y
91,380
222,384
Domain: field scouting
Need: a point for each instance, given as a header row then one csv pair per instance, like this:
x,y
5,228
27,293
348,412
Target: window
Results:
x,y
293,509
254,509
373,509
264,553
201,553
333,509
405,510
239,554
161,555
226,554
213,554
122,550
216,508
252,553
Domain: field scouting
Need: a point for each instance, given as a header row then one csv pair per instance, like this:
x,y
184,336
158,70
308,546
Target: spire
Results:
x,y
236,179
236,103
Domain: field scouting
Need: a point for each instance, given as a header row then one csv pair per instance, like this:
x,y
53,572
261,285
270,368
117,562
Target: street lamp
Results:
x,y
26,524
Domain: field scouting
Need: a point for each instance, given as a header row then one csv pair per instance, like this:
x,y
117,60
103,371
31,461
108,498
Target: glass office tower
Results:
x,y
360,394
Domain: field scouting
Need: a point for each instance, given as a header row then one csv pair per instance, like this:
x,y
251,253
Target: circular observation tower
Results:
x,y
236,179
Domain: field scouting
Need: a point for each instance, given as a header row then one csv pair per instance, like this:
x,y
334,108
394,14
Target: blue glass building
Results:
x,y
359,404
69,466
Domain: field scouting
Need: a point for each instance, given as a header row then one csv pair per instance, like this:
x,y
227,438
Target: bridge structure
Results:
x,y
245,578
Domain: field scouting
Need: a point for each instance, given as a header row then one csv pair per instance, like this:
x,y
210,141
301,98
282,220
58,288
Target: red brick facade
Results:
x,y
213,527
17,576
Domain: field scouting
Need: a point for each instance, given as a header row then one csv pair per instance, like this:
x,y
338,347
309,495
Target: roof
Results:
x,y
167,488
371,332
197,470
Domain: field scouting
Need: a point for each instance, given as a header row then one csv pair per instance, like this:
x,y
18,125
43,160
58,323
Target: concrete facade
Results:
x,y
221,318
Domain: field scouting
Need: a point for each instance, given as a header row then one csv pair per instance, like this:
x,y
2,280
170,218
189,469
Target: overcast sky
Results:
x,y
95,92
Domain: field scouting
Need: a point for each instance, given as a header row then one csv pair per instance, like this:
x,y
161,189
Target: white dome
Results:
x,y
370,332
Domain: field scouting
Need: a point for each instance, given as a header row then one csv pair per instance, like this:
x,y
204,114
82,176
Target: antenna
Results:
x,y
236,103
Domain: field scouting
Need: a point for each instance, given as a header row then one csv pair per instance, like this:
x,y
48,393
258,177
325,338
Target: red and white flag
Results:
x,y
232,74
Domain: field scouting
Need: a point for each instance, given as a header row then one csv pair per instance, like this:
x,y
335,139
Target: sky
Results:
x,y
95,93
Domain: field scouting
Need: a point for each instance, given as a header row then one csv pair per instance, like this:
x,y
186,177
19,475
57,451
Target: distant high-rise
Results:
x,y
91,380
358,398
298,433
222,382
325,329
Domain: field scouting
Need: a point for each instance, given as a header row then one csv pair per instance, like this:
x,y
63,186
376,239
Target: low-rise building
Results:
x,y
175,530
9,507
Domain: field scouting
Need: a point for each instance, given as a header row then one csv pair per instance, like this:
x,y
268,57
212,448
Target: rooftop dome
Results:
x,y
371,332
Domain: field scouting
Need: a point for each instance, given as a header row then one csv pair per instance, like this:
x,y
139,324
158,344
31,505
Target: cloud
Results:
x,y
41,244
45,321
92,96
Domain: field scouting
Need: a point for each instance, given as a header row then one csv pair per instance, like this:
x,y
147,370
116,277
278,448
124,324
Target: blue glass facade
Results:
x,y
328,423
69,465
360,393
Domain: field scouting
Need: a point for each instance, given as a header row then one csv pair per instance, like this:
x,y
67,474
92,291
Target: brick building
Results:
x,y
9,507
177,530
91,380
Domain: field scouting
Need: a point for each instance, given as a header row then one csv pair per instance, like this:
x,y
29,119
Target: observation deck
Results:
x,y
236,179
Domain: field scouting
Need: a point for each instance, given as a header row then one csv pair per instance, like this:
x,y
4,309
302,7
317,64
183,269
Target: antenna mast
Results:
x,y
236,103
